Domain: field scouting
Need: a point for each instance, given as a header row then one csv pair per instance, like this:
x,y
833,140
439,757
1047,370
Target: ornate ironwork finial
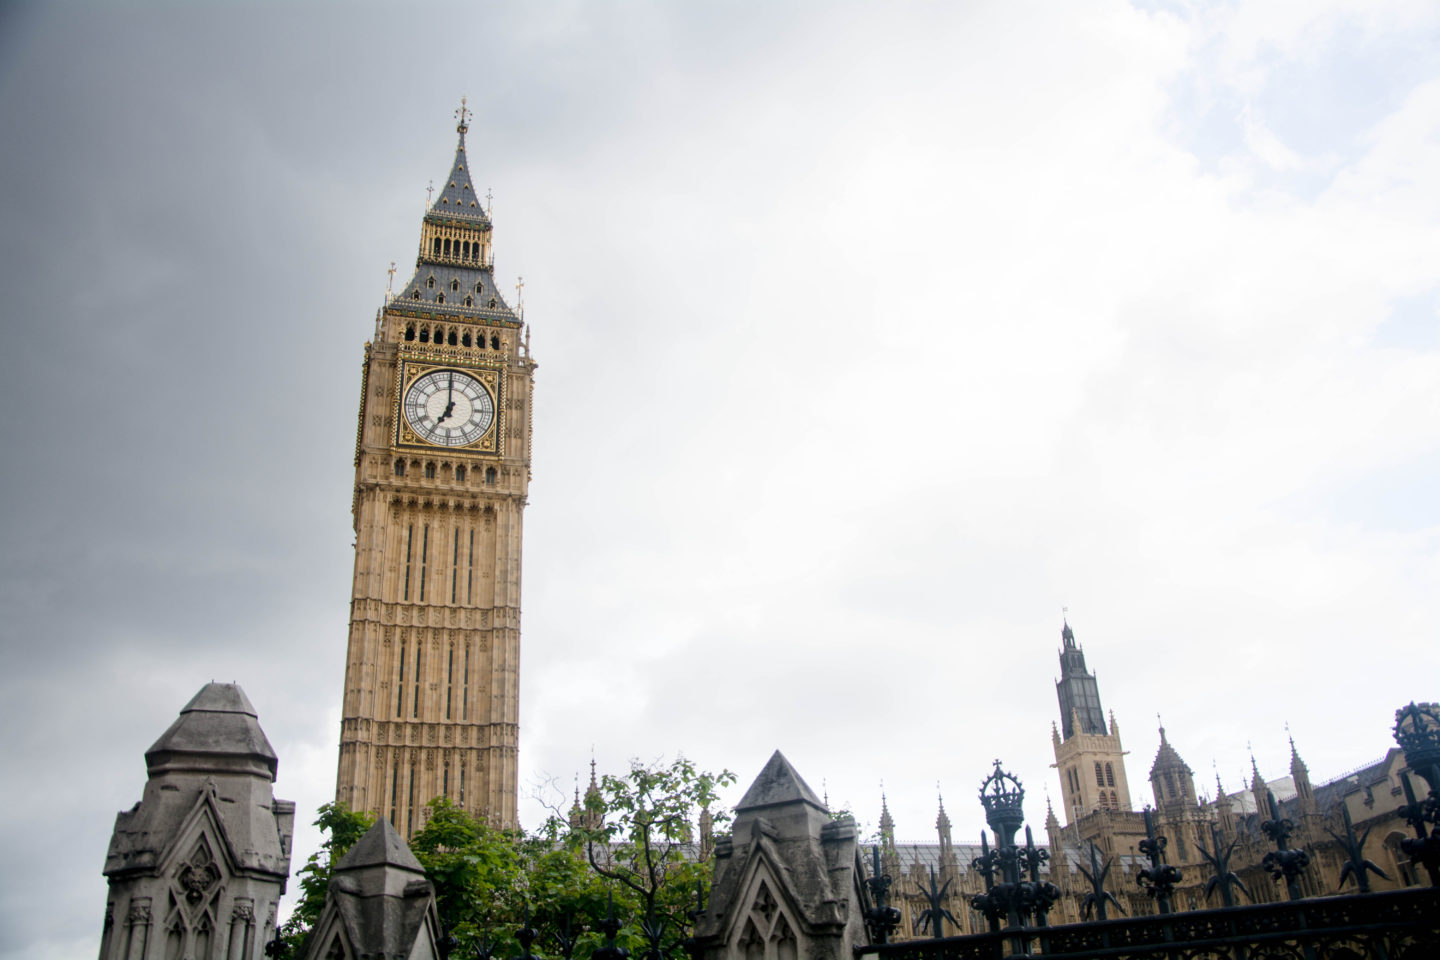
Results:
x,y
1417,730
1356,866
1160,878
489,198
1098,896
1003,797
610,927
880,919
429,192
1424,818
1222,878
934,915
1283,862
463,115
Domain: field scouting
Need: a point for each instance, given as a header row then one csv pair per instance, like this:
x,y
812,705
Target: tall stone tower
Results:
x,y
442,469
1089,756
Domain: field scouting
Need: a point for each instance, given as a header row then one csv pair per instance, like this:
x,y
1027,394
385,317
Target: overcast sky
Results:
x,y
870,337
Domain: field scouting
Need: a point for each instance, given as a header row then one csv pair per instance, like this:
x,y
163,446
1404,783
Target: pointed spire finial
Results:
x,y
429,192
520,297
463,115
390,283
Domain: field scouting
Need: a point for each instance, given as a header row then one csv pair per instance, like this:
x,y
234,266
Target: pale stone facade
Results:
x,y
197,867
431,698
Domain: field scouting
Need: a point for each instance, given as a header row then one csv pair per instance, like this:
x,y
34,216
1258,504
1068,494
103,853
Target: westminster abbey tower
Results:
x,y
442,469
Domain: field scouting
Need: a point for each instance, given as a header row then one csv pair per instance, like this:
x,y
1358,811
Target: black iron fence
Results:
x,y
1398,925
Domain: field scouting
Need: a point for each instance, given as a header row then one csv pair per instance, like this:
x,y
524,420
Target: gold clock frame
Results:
x,y
407,371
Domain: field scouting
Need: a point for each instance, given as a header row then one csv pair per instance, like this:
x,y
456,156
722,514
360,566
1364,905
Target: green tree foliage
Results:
x,y
634,845
638,831
341,827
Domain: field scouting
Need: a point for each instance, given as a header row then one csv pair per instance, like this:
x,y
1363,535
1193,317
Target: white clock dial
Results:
x,y
449,408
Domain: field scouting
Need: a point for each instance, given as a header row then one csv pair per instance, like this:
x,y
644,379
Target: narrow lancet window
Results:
x,y
449,681
470,573
455,558
409,542
425,543
400,685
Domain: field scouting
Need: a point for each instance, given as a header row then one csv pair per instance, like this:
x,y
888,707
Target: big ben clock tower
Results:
x,y
442,467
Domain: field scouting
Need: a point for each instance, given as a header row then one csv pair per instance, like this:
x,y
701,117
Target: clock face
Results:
x,y
449,408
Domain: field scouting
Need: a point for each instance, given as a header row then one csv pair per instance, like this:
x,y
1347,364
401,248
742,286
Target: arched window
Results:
x,y
454,285
410,332
437,246
494,342
1099,775
479,288
430,471
460,474
1169,785
492,303
469,302
415,294
475,253
1114,801
399,468
489,474
439,298
447,246
430,283
452,339
1109,775
424,334
465,339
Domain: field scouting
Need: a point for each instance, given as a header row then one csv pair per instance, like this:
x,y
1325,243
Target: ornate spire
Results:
x,y
1077,690
458,199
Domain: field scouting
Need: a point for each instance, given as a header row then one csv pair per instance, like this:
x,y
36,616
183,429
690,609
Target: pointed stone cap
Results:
x,y
778,784
216,732
380,847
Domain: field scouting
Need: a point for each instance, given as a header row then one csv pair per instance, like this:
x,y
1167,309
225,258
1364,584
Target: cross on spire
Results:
x,y
463,115
429,192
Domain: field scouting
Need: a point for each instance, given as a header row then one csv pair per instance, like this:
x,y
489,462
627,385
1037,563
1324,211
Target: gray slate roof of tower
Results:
x,y
380,846
457,201
457,197
778,783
